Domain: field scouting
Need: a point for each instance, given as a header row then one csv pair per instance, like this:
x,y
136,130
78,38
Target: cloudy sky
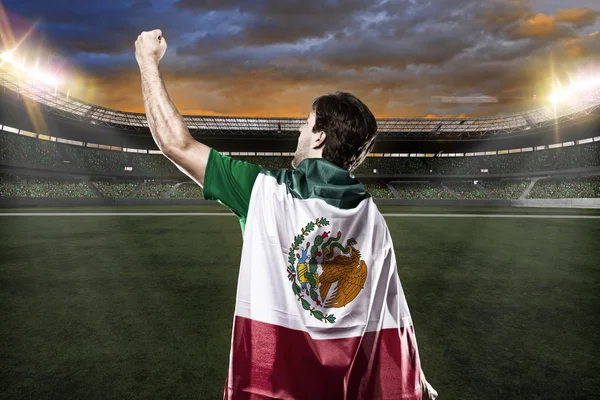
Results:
x,y
273,57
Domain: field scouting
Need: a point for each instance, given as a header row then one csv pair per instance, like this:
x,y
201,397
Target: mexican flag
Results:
x,y
320,312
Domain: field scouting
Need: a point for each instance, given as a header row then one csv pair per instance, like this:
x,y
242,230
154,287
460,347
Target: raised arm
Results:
x,y
166,124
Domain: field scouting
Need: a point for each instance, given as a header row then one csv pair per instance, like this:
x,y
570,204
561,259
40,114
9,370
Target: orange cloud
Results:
x,y
539,26
543,26
503,13
581,47
574,51
578,16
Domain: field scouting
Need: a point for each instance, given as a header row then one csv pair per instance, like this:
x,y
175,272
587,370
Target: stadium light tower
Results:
x,y
7,56
579,89
42,76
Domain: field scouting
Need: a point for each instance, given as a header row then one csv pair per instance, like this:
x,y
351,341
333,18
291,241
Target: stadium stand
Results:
x,y
107,164
566,188
188,191
154,190
505,189
268,161
378,165
19,186
466,190
34,151
421,190
95,160
153,163
29,150
379,191
115,190
13,185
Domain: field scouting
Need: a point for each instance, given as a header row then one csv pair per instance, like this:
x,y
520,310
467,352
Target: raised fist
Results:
x,y
150,47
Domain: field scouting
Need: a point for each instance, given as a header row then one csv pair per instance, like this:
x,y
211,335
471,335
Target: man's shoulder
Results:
x,y
380,221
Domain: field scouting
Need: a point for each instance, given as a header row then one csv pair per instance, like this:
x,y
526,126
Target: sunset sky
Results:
x,y
408,58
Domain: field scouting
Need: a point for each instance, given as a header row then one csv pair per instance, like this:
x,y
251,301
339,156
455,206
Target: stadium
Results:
x,y
89,155
118,278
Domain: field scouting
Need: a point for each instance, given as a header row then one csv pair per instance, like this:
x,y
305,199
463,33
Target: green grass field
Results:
x,y
141,307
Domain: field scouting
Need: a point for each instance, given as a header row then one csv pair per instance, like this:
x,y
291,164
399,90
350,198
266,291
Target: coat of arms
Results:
x,y
320,276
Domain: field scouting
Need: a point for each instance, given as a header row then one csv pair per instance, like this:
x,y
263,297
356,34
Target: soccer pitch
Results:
x,y
505,305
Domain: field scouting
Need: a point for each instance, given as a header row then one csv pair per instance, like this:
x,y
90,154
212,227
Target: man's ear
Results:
x,y
320,139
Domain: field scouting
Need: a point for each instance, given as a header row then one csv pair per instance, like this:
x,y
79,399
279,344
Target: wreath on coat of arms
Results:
x,y
312,280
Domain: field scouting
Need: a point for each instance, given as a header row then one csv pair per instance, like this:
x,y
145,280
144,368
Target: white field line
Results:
x,y
192,214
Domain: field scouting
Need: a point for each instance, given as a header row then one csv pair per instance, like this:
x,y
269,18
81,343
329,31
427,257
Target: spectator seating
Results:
x,y
24,149
95,160
511,189
379,191
115,190
421,190
565,188
466,190
187,190
20,186
29,150
14,185
154,190
157,163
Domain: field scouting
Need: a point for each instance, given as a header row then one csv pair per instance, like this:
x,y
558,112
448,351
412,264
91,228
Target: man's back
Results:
x,y
320,312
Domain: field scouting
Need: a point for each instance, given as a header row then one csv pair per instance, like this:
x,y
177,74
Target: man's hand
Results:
x,y
150,47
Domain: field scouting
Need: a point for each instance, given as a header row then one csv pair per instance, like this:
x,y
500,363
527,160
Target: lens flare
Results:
x,y
579,89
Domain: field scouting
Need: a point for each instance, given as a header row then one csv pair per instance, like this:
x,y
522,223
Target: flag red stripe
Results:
x,y
270,361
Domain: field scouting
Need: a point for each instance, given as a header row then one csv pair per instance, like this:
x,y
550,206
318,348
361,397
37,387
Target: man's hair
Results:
x,y
350,127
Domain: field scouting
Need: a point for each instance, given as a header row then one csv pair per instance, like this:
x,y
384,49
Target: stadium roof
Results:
x,y
59,103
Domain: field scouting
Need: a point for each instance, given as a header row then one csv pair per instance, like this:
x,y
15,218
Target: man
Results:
x,y
320,312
